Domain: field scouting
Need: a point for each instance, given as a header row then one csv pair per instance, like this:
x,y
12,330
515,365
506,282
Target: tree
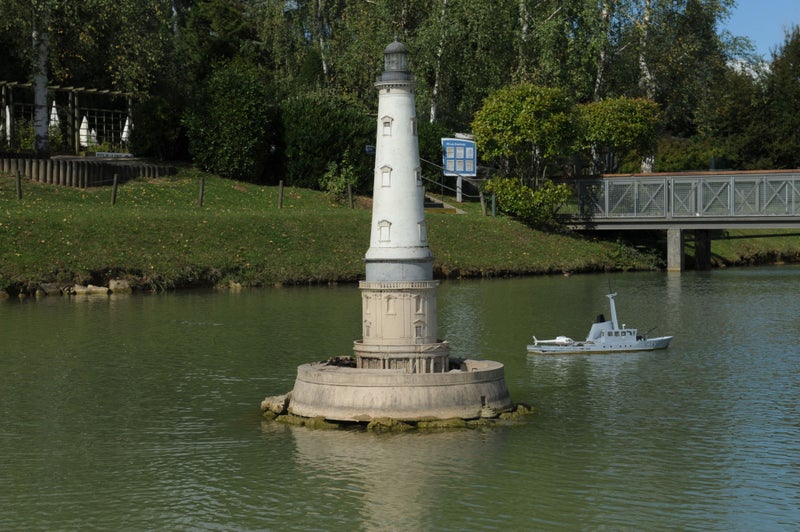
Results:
x,y
781,104
41,13
525,128
216,31
728,124
679,55
34,20
617,128
463,52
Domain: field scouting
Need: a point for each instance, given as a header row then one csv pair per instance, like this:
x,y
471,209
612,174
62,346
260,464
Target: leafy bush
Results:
x,y
321,126
536,207
233,130
338,177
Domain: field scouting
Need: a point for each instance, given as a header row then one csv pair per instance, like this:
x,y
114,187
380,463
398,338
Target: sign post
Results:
x,y
459,158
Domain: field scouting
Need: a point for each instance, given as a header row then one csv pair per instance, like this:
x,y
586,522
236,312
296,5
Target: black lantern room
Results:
x,y
395,62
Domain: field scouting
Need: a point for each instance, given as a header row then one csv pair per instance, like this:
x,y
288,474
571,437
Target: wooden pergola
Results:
x,y
107,112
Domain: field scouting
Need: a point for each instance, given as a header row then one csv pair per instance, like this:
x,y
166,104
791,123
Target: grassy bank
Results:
x,y
157,237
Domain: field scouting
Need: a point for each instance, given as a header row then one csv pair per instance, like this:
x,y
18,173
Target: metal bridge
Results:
x,y
687,201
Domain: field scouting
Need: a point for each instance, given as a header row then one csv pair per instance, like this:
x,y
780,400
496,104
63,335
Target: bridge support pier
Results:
x,y
702,249
675,256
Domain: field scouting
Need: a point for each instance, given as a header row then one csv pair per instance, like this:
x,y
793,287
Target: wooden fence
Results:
x,y
81,172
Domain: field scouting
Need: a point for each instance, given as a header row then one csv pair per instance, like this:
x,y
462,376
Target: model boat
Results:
x,y
605,336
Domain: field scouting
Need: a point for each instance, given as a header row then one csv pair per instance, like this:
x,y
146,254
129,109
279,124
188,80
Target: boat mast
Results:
x,y
613,310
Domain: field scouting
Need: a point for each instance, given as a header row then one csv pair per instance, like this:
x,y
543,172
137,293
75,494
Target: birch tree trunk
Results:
x,y
524,34
321,22
605,14
437,69
41,55
646,79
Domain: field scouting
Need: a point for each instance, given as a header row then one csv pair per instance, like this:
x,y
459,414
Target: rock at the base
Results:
x,y
522,410
50,289
277,404
119,286
80,290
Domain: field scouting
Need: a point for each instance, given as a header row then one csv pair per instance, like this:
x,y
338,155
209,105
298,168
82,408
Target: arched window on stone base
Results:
x,y
419,330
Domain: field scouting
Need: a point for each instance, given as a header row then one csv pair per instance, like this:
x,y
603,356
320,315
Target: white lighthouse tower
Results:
x,y
399,294
398,247
400,369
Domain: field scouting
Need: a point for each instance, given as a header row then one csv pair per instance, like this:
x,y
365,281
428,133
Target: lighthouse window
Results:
x,y
423,233
418,175
383,230
414,126
387,126
386,176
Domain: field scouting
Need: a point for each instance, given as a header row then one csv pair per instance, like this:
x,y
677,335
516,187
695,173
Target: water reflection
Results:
x,y
396,480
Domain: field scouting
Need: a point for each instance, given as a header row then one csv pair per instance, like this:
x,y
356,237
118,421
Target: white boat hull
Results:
x,y
587,347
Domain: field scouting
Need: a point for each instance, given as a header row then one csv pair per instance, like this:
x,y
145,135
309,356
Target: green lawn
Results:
x,y
157,236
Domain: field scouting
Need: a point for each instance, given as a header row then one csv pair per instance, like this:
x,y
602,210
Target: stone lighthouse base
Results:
x,y
472,389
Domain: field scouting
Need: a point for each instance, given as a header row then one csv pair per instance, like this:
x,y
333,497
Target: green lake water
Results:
x,y
141,412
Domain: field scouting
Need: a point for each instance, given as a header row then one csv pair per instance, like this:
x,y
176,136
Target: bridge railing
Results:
x,y
660,196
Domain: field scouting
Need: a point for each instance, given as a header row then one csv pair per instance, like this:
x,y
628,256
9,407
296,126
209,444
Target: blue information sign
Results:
x,y
459,157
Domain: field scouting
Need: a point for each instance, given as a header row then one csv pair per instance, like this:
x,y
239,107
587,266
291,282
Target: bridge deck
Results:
x,y
697,201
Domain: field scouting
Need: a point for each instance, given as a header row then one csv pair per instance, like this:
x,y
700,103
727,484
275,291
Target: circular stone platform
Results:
x,y
341,393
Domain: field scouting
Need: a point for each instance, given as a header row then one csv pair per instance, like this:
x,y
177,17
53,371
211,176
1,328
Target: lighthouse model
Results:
x,y
400,369
399,293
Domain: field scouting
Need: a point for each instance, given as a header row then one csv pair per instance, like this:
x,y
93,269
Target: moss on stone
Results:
x,y
310,422
388,425
291,419
518,414
320,423
433,424
520,411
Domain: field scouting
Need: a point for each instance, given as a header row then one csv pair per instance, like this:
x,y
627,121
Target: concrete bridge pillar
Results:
x,y
675,257
702,250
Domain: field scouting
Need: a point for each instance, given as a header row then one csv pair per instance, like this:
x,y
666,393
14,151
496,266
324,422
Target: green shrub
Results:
x,y
158,127
536,207
231,124
321,126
